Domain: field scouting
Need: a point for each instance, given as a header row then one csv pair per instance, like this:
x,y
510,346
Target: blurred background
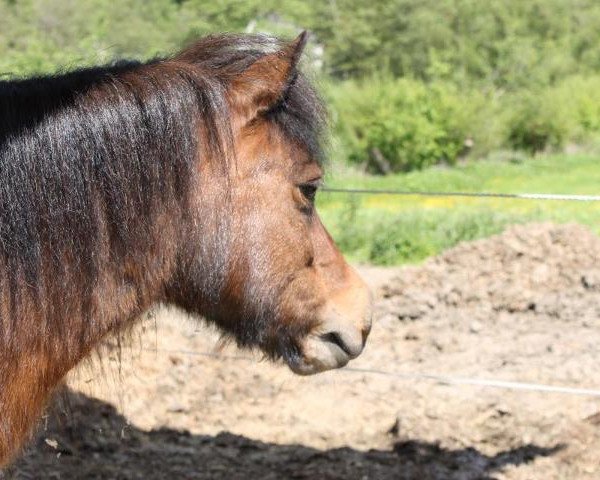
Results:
x,y
424,95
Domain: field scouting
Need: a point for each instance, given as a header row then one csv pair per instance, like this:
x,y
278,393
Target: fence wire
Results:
x,y
448,380
517,196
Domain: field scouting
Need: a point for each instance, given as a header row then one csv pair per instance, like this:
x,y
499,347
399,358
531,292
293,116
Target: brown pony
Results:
x,y
188,181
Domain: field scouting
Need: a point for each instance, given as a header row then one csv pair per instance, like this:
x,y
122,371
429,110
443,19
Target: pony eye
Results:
x,y
309,190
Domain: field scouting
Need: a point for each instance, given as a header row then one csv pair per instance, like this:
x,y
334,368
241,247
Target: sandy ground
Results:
x,y
522,306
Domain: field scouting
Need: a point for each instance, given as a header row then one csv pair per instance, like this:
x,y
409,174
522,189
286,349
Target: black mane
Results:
x,y
96,152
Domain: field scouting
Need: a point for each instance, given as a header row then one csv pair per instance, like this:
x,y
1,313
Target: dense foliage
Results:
x,y
411,82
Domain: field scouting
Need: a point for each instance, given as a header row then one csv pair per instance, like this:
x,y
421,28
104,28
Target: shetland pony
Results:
x,y
187,180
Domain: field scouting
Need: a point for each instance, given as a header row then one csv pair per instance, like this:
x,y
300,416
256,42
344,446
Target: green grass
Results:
x,y
388,230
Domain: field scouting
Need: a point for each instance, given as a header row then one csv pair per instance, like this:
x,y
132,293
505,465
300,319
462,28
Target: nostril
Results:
x,y
336,339
365,333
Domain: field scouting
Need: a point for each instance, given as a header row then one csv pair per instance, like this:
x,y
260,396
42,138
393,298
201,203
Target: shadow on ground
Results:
x,y
90,439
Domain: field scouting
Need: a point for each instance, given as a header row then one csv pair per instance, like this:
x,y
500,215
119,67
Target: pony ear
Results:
x,y
264,83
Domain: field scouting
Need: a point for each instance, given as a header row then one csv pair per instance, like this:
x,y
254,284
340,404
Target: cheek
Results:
x,y
272,222
272,237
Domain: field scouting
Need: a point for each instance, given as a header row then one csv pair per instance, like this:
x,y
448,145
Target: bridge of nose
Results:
x,y
349,310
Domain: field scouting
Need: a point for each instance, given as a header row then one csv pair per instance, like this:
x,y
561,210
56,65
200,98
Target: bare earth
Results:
x,y
522,306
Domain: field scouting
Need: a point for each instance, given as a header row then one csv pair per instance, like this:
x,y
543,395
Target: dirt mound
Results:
x,y
546,269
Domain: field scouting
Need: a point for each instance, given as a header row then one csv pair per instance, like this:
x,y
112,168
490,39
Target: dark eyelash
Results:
x,y
309,190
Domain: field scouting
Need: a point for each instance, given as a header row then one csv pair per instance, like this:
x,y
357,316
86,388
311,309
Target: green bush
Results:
x,y
581,95
400,125
415,236
539,121
549,118
386,238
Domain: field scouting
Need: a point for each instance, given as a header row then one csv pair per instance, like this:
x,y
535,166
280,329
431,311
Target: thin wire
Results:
x,y
480,382
518,196
441,379
200,354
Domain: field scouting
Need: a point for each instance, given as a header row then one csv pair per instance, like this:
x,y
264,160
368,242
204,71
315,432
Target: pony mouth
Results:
x,y
323,352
